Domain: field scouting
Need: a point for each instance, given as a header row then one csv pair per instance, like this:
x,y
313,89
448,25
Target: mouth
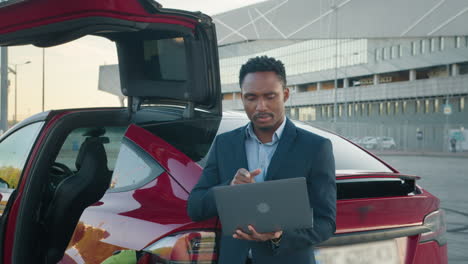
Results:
x,y
263,117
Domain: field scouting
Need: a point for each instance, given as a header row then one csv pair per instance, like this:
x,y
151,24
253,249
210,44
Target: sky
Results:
x,y
71,70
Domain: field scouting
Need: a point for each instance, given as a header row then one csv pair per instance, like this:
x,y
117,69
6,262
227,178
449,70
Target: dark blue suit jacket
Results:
x,y
299,154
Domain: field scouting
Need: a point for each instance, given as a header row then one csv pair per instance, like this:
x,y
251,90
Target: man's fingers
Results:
x,y
244,172
264,236
256,236
241,235
243,176
278,234
259,236
255,172
254,232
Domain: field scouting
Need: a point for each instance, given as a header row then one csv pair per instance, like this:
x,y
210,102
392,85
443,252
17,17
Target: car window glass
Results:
x,y
111,136
14,151
165,59
134,168
348,157
191,137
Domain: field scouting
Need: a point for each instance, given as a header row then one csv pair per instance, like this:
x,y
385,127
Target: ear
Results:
x,y
285,94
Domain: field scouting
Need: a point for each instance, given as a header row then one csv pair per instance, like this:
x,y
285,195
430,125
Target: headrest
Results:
x,y
89,145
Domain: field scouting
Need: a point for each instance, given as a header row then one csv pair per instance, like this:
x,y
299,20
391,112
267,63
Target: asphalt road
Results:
x,y
447,178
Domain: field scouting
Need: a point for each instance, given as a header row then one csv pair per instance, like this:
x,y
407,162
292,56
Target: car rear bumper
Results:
x,y
430,252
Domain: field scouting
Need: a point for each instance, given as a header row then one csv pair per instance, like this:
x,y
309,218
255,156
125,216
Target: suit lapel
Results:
x,y
238,149
282,151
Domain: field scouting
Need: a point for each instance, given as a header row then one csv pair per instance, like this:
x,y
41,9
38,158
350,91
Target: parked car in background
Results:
x,y
386,143
381,143
369,142
86,184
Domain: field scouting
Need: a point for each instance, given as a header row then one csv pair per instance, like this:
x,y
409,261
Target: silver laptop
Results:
x,y
268,206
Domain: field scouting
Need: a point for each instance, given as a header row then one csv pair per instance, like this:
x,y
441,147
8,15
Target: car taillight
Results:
x,y
192,247
435,221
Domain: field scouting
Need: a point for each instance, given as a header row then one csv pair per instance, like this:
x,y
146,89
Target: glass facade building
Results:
x,y
304,57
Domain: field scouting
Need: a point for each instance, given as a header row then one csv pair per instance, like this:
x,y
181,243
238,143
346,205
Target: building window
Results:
x,y
403,110
330,111
462,104
292,112
432,44
377,54
228,96
340,110
400,51
436,105
389,108
363,109
426,106
458,42
385,53
418,106
442,43
423,46
397,106
381,108
413,48
307,113
350,110
369,109
356,109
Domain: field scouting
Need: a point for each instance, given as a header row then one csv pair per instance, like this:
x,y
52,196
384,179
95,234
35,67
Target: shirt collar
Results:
x,y
276,136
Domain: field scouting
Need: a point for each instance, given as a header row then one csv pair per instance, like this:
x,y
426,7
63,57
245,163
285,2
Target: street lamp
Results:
x,y
15,72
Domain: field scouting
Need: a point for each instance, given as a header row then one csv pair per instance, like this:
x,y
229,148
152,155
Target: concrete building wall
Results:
x,y
387,91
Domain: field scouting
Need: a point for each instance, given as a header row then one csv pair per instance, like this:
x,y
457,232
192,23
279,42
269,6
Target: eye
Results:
x,y
250,98
271,96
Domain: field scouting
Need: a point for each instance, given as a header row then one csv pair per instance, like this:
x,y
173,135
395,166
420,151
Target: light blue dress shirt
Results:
x,y
259,154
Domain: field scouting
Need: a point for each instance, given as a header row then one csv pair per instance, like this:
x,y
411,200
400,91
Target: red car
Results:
x,y
86,185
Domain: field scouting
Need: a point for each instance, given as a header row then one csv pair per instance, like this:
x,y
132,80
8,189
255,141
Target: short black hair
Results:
x,y
263,64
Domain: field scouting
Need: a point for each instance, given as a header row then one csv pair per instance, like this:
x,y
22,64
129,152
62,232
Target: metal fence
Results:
x,y
402,137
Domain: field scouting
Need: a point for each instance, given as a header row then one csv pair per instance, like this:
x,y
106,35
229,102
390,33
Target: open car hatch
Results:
x,y
165,56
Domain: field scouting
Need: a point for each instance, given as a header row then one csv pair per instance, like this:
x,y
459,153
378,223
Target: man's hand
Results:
x,y
244,176
255,236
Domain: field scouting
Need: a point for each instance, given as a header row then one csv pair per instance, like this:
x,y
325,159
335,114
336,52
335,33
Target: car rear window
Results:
x,y
194,139
191,137
348,157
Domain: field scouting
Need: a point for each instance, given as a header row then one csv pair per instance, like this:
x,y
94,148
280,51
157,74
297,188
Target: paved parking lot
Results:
x,y
447,178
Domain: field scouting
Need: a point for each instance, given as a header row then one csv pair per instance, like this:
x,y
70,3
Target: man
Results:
x,y
453,144
270,147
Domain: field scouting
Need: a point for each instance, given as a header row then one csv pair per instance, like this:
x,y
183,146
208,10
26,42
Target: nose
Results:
x,y
261,105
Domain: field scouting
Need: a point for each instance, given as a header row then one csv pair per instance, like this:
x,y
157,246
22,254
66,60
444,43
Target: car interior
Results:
x,y
75,168
76,192
57,195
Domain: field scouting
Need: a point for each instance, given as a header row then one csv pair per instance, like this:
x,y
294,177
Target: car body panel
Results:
x,y
174,162
430,252
136,218
145,34
13,214
356,215
73,10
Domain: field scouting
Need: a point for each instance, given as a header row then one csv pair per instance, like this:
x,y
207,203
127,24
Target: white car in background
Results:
x,y
369,142
386,143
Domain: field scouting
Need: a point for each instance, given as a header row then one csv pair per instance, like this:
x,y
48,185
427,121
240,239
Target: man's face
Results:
x,y
263,97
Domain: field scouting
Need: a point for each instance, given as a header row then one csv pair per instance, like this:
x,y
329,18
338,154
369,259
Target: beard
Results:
x,y
260,115
266,127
